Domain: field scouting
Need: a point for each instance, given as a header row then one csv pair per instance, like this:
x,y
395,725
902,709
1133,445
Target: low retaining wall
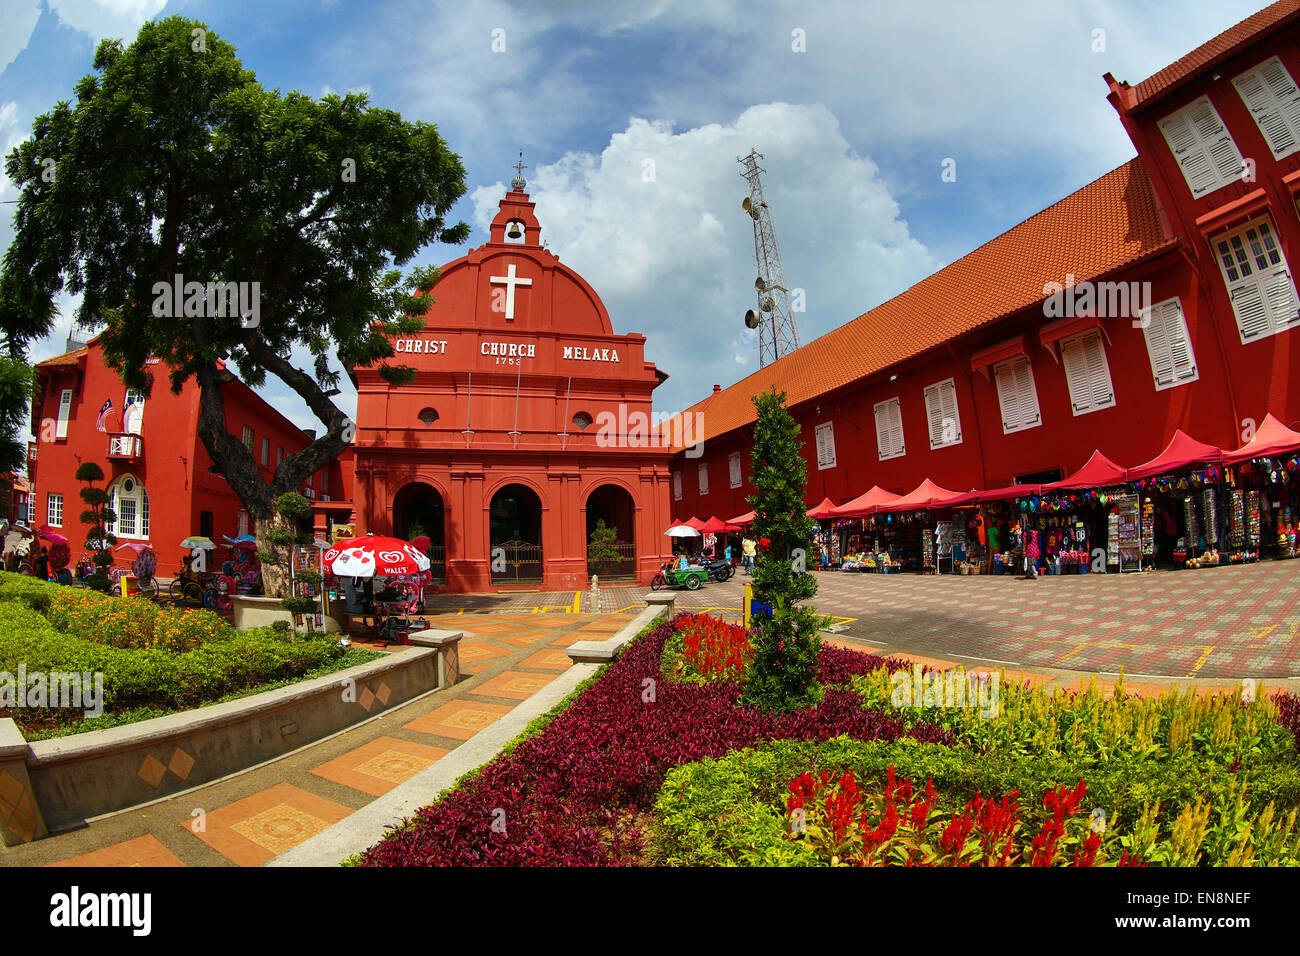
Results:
x,y
367,826
264,611
58,784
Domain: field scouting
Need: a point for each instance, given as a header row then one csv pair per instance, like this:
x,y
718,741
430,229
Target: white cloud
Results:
x,y
654,223
111,19
19,18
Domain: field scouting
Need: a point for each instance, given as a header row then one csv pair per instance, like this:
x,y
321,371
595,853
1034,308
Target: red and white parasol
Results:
x,y
374,555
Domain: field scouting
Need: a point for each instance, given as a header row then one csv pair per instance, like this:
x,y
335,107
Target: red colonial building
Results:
x,y
527,424
1159,297
155,466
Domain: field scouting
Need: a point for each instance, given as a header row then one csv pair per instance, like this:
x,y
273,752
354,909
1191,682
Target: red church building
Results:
x,y
1159,297
156,469
527,424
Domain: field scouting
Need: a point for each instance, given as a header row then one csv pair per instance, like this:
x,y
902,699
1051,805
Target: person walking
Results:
x,y
1031,554
748,550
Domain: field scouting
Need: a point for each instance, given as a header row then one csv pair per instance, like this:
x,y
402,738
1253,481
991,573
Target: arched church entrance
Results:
x,y
611,533
515,536
418,510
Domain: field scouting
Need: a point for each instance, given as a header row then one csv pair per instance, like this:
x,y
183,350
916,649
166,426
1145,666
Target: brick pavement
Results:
x,y
1220,623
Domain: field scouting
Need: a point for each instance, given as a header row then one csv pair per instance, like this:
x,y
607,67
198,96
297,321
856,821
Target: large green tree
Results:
x,y
174,161
782,675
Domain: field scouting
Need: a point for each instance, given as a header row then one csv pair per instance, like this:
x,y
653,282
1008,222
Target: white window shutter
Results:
x,y
1252,312
1280,293
889,430
1076,374
948,406
1027,393
1202,146
1008,397
934,415
1159,320
1273,100
1099,384
65,411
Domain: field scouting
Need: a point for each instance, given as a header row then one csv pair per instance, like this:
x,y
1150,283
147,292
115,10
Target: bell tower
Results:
x,y
516,223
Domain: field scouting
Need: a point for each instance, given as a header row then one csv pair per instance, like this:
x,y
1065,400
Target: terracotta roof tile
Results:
x,y
1105,225
67,358
1223,46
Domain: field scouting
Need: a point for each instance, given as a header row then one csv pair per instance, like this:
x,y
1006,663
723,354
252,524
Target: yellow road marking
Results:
x,y
1077,649
1209,649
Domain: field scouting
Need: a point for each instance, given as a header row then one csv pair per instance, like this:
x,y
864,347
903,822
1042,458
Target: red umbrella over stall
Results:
x,y
822,510
1271,438
374,556
1182,451
1098,472
864,504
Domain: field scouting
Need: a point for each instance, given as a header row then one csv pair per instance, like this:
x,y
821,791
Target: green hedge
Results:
x,y
153,678
730,811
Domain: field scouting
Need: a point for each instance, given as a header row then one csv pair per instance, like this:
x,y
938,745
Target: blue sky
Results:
x,y
855,128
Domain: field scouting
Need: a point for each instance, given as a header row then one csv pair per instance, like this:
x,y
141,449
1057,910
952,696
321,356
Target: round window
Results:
x,y
128,486
428,416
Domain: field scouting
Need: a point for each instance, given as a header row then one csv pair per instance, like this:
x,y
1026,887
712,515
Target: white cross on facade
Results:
x,y
510,280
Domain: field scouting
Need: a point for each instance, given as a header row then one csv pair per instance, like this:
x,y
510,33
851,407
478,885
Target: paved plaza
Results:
x,y
1227,622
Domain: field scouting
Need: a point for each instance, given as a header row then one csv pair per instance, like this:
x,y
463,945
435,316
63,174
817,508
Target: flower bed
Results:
x,y
577,793
656,761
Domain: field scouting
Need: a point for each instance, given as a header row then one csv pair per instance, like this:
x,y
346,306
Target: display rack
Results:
x,y
1125,539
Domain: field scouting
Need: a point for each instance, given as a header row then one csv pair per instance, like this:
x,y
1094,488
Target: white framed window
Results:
x,y
266,450
1087,372
704,478
1168,344
1017,395
677,486
1273,100
248,437
65,412
1259,282
941,413
1203,147
889,430
54,510
129,501
825,435
733,469
241,523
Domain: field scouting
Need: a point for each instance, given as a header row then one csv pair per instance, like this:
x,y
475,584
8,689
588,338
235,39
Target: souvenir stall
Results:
x,y
1077,511
1263,500
1183,482
857,533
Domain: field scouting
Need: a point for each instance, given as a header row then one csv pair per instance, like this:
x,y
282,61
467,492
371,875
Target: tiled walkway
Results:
x,y
247,819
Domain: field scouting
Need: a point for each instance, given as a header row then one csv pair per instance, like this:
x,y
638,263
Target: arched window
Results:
x,y
582,420
129,501
428,415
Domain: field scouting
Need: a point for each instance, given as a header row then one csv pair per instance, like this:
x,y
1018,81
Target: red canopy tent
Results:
x,y
742,520
822,510
1098,472
716,525
1271,438
1009,491
864,504
925,495
694,522
1181,452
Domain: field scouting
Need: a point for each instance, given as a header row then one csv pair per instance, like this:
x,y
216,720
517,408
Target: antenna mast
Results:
x,y
777,334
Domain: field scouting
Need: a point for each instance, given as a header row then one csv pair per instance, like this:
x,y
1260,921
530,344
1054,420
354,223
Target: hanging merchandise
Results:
x,y
1236,519
1148,528
1193,525
1124,545
1210,515
927,548
1252,520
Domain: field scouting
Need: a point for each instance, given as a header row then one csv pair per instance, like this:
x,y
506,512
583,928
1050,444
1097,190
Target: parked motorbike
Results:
x,y
720,569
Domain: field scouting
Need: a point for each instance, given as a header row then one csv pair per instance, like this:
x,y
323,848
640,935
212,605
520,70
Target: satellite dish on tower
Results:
x,y
752,319
767,304
749,207
760,284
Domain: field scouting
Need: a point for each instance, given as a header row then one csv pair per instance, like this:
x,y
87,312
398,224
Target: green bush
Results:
x,y
152,678
30,591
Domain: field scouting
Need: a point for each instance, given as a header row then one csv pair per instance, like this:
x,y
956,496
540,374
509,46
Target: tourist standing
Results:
x,y
747,552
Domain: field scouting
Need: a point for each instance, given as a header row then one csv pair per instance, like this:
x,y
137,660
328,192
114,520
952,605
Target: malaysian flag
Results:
x,y
103,414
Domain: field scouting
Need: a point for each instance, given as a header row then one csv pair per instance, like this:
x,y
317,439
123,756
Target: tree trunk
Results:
x,y
275,575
